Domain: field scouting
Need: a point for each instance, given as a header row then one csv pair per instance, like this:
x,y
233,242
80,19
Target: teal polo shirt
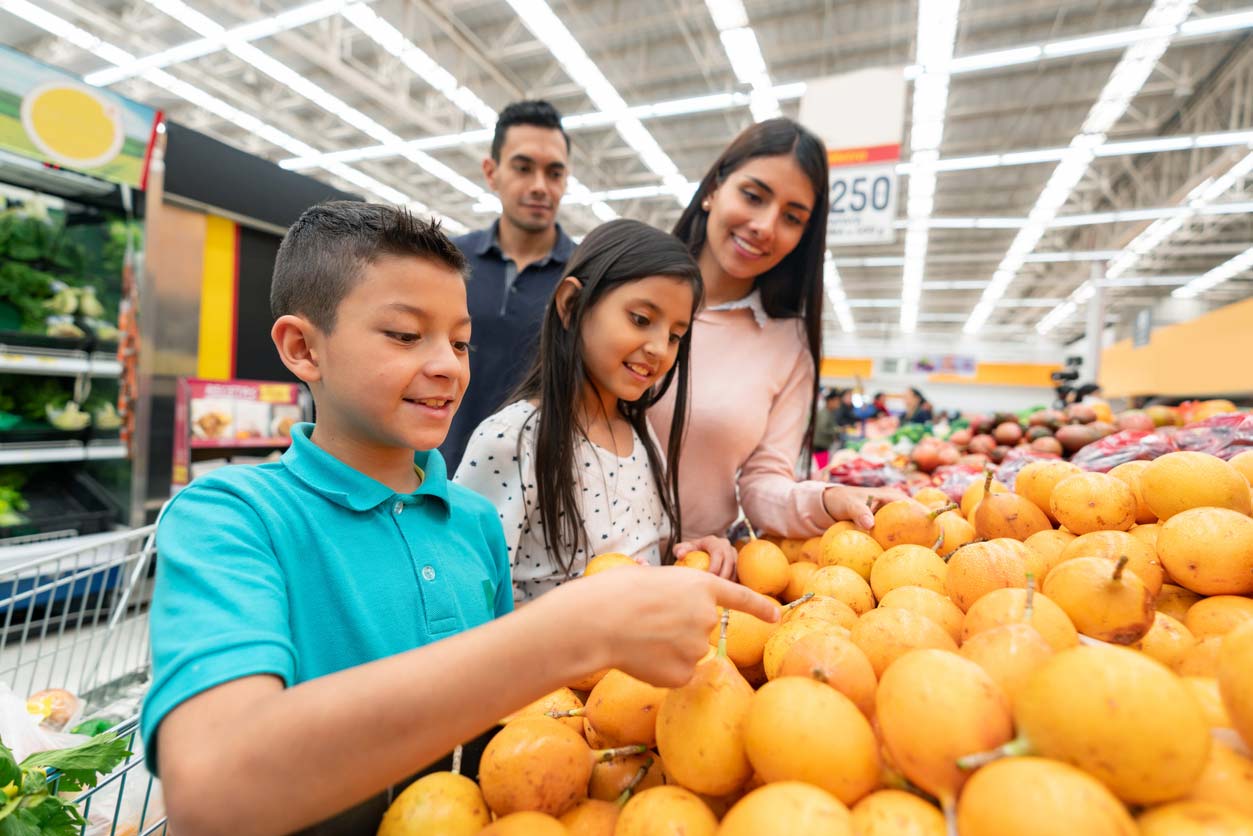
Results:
x,y
304,567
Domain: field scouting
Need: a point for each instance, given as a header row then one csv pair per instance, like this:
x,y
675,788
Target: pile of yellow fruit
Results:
x,y
919,683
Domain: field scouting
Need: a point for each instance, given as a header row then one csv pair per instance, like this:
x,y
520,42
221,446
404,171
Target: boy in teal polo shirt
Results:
x,y
327,625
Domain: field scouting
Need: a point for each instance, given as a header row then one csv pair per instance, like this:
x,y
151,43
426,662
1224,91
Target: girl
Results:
x,y
572,466
757,227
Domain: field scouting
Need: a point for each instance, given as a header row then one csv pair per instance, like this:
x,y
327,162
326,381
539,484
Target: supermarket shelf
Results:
x,y
240,443
60,451
54,361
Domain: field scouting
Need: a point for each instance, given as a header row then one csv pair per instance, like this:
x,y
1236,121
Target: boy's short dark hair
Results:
x,y
537,112
323,254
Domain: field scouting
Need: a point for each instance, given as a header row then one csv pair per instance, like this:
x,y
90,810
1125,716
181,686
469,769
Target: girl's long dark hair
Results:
x,y
611,255
793,288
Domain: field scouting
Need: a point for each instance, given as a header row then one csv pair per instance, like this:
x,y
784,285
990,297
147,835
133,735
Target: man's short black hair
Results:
x,y
537,112
325,251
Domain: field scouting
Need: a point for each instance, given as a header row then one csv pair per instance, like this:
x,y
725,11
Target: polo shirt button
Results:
x,y
428,573
398,507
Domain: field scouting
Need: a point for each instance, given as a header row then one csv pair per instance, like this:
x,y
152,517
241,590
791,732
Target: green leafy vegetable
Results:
x,y
79,765
30,808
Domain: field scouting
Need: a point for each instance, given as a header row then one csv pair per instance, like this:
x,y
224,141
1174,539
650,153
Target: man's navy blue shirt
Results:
x,y
506,310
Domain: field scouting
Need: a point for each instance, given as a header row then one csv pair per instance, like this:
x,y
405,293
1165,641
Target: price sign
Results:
x,y
863,205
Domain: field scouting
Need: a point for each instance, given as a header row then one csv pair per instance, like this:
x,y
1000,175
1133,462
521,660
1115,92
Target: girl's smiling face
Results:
x,y
630,337
756,217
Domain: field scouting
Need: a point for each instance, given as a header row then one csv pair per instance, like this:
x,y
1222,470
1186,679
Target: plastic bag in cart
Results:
x,y
863,473
127,802
1016,460
1127,446
21,731
1224,436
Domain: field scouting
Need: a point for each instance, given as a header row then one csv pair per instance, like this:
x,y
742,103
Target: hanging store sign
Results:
x,y
860,117
51,116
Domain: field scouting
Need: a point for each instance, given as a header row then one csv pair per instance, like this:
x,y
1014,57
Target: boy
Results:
x,y
323,626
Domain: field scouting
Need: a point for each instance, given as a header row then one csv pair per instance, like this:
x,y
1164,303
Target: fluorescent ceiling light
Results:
x,y
243,33
744,52
1159,25
1227,270
835,294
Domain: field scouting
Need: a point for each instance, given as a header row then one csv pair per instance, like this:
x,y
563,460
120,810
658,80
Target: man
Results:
x,y
515,263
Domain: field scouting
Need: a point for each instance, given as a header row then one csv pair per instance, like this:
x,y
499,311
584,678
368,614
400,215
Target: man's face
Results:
x,y
530,177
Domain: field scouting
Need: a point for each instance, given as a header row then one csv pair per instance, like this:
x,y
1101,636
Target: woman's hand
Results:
x,y
858,504
721,554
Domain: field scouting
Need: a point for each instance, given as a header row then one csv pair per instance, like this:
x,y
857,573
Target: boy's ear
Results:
x,y
567,294
489,172
297,341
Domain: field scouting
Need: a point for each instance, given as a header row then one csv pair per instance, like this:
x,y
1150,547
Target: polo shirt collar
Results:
x,y
752,302
345,485
489,242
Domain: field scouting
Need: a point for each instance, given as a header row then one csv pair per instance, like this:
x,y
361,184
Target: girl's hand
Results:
x,y
721,554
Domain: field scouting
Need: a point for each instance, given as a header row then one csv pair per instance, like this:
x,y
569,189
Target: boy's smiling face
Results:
x,y
395,366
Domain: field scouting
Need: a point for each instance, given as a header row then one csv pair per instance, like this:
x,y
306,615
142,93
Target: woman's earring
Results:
x,y
705,204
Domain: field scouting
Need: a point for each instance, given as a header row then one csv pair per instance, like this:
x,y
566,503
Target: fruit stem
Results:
x,y
456,760
798,601
950,816
634,782
602,755
818,674
987,481
1119,566
1029,609
1017,747
722,633
573,712
952,506
939,542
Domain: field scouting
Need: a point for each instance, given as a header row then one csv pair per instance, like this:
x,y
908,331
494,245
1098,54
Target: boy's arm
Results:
x,y
250,757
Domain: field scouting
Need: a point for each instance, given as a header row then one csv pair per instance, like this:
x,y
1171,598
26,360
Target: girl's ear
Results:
x,y
567,294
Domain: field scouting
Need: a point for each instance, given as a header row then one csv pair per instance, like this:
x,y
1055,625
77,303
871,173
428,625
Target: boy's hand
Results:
x,y
652,623
721,554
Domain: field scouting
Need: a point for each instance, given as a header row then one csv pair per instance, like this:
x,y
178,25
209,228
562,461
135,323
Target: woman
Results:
x,y
917,408
757,228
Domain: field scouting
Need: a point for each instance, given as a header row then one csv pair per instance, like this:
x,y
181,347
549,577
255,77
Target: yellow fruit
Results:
x,y
905,521
1218,615
762,567
979,568
1008,654
932,498
624,709
791,548
836,662
1201,659
798,575
1037,480
907,566
746,638
588,682
1131,472
956,531
811,550
1243,462
823,608
1008,606
1046,551
1087,502
855,549
1112,545
535,763
591,817
1175,601
1176,482
787,635
1235,679
929,603
526,823
561,700
1210,698
974,495
1147,534
611,777
843,584
1227,780
1008,515
896,813
666,811
798,729
1209,550
700,730
606,561
1104,600
1194,818
1167,641
933,707
695,559
1119,716
1039,797
789,807
885,635
439,804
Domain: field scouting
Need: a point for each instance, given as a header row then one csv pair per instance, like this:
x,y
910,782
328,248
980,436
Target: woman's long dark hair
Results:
x,y
611,255
793,288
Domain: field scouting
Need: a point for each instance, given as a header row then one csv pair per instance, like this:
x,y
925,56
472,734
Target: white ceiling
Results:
x,y
481,55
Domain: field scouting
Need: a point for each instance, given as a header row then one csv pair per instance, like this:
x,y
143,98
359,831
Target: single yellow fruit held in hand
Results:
x,y
1176,482
1039,797
1194,818
695,559
1209,550
789,807
1087,502
798,729
439,804
762,567
1235,679
666,811
608,560
896,813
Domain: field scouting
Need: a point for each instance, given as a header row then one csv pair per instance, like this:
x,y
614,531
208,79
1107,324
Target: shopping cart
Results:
x,y
77,619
